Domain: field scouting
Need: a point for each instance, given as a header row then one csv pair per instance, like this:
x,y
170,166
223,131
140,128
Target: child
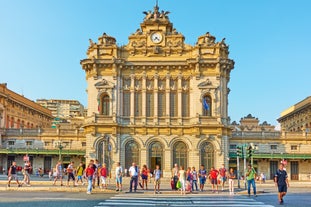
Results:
x,y
202,176
157,177
103,176
80,173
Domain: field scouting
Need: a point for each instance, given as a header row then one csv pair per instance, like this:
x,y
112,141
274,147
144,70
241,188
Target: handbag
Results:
x,y
178,184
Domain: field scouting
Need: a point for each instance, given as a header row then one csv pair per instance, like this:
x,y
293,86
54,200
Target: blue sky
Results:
x,y
42,43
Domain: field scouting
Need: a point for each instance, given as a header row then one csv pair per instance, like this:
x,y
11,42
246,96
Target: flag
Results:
x,y
205,104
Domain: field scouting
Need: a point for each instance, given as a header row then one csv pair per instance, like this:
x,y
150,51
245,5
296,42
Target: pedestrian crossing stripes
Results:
x,y
175,200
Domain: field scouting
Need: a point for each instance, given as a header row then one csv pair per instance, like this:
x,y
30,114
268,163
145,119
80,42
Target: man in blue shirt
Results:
x,y
281,181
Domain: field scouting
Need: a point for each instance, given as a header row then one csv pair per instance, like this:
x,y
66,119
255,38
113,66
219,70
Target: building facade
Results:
x,y
158,100
64,109
16,111
270,148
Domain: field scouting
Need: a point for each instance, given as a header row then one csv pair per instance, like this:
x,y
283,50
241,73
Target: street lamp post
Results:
x,y
60,147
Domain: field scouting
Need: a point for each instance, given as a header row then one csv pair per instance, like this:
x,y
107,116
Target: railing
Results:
x,y
242,134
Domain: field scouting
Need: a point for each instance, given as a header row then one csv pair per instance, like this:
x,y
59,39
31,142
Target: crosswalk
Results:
x,y
175,200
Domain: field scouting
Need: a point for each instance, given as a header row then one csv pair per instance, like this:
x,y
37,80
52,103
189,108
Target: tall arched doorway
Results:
x,y
207,155
131,153
180,154
155,155
103,150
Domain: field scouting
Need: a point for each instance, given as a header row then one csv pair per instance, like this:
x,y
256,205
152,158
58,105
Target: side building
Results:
x,y
158,100
26,134
269,148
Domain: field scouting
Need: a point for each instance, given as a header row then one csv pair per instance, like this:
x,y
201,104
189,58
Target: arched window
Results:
x,y
12,122
105,105
180,154
131,153
207,155
155,155
206,105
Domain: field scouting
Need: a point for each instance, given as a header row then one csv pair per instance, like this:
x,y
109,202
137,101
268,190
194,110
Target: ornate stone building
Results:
x,y
158,100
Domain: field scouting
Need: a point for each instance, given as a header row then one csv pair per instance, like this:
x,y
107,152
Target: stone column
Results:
x,y
179,99
156,89
167,98
143,99
132,90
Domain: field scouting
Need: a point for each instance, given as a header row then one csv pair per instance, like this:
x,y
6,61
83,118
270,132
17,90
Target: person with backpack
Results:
x,y
119,172
250,177
12,174
70,171
134,173
103,176
281,181
223,176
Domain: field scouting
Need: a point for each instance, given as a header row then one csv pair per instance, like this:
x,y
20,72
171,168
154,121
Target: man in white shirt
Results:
x,y
134,172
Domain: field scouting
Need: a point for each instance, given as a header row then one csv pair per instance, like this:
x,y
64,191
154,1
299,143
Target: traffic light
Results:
x,y
250,151
239,151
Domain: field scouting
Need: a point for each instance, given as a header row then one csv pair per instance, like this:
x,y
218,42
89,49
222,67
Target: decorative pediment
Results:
x,y
103,84
205,84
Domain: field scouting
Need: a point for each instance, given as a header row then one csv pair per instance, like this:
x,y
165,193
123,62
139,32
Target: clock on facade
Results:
x,y
156,37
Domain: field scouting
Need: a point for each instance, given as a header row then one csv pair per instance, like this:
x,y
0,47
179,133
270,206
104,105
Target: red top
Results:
x,y
214,174
103,172
222,172
144,171
89,171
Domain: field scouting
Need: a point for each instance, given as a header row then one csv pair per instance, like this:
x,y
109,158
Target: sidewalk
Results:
x,y
44,184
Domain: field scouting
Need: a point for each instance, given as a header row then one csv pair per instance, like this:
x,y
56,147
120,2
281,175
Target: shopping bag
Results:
x,y
178,185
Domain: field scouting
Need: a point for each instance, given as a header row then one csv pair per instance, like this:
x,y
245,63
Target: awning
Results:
x,y
277,156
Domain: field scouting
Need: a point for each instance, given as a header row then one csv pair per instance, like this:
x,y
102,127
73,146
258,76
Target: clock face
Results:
x,y
156,37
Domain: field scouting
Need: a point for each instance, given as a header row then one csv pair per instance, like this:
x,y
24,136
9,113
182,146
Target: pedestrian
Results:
x,y
59,173
144,177
223,176
182,180
26,171
134,173
250,177
94,166
12,174
89,173
97,176
281,181
189,180
157,176
194,179
119,172
103,176
79,171
202,177
231,177
175,178
70,174
213,175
